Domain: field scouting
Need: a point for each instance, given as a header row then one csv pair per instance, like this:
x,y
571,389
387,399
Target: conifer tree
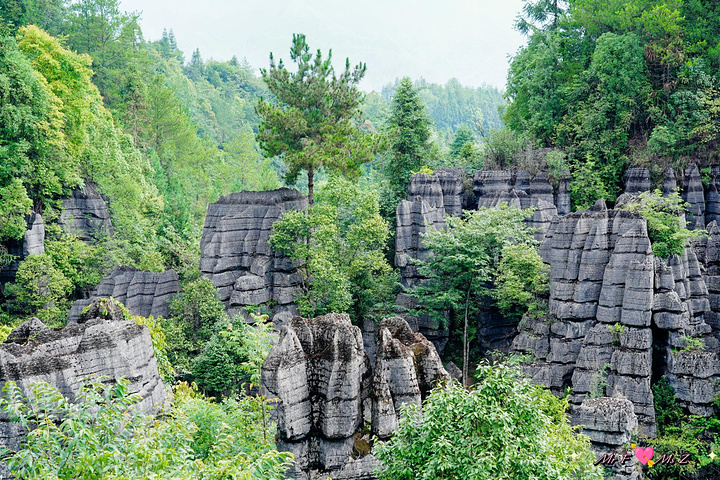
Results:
x,y
313,125
409,130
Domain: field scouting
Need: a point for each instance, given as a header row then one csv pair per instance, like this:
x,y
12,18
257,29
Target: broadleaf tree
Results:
x,y
464,266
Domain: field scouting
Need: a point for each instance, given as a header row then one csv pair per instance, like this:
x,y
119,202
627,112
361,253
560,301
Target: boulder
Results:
x,y
109,347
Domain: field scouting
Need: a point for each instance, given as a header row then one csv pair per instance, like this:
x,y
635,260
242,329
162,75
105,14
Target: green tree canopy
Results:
x,y
409,132
312,125
502,428
343,262
464,266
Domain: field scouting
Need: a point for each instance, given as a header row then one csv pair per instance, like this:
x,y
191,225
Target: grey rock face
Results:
x,y
517,189
85,214
610,423
143,293
320,373
33,242
693,193
235,253
406,369
637,179
66,358
601,298
327,390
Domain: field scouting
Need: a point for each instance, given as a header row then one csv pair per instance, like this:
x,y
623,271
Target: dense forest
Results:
x,y
87,103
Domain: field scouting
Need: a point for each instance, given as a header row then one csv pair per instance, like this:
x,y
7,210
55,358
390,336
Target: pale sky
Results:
x,y
438,40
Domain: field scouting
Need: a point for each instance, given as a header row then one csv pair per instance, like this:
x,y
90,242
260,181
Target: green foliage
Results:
x,y
160,345
14,205
665,226
199,306
463,135
680,434
311,125
452,105
195,316
558,167
82,264
501,428
618,80
691,344
465,263
40,289
522,278
587,186
32,145
233,358
101,434
340,242
409,131
500,148
599,382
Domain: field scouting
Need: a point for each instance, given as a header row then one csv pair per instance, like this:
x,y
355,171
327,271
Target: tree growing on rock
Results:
x,y
313,123
465,266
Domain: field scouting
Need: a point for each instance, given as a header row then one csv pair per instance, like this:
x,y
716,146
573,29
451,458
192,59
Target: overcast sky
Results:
x,y
435,39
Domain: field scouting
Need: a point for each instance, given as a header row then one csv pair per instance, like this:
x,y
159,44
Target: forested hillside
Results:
x,y
617,83
433,277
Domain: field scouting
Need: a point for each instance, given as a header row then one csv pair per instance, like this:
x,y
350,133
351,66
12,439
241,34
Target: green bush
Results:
x,y
233,357
502,428
40,289
681,434
521,281
666,230
198,310
14,205
101,435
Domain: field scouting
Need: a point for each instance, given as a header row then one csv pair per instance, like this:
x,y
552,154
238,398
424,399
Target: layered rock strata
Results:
x,y
597,336
328,391
85,214
98,344
236,256
143,293
610,424
33,242
620,317
518,189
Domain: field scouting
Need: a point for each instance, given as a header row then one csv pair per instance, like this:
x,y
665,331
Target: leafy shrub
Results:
x,y
14,205
101,435
558,166
233,357
522,278
198,309
587,185
502,428
40,289
680,434
666,229
341,242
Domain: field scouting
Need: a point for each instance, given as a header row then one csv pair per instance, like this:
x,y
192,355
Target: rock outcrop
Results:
x,y
610,424
236,256
92,346
327,390
33,242
143,293
518,189
620,317
85,214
